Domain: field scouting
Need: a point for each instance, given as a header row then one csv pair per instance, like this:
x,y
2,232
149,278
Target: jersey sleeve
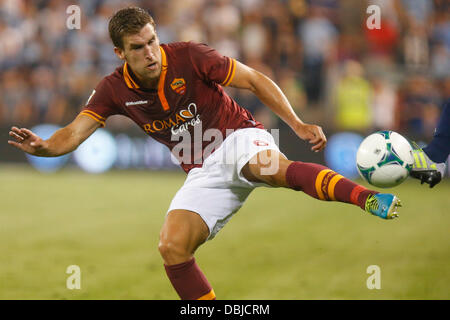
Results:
x,y
210,65
100,104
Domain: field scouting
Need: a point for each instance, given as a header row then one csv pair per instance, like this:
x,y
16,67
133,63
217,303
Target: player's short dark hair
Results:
x,y
128,21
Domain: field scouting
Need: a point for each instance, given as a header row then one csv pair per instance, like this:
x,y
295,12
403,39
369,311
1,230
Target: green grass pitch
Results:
x,y
280,245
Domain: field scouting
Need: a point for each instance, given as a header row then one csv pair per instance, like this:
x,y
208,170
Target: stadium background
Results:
x,y
336,73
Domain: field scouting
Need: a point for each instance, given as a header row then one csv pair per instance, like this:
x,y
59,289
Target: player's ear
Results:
x,y
120,53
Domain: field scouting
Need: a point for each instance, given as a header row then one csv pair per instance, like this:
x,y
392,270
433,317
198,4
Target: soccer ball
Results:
x,y
384,159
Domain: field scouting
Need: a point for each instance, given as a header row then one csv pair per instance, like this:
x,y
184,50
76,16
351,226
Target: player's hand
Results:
x,y
27,141
313,134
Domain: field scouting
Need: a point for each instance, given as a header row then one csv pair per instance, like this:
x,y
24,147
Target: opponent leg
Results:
x,y
439,148
319,182
429,162
182,233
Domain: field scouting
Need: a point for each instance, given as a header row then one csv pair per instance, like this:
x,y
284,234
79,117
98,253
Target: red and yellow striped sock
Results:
x,y
189,281
322,183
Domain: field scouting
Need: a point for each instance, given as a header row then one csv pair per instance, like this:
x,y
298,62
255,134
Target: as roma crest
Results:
x,y
178,85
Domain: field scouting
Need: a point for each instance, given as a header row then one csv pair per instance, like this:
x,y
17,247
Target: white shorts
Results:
x,y
218,189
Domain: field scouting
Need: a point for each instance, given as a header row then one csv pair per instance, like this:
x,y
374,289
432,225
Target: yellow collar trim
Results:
x,y
162,79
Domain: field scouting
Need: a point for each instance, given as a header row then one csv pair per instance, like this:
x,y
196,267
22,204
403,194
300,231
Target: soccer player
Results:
x,y
174,93
429,162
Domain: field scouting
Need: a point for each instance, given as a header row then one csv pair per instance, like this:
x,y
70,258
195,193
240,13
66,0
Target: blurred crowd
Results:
x,y
334,69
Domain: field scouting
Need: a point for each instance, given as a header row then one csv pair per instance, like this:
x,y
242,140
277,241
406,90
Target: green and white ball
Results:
x,y
384,159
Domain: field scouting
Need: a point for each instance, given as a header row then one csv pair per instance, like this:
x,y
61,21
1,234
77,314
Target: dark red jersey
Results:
x,y
189,100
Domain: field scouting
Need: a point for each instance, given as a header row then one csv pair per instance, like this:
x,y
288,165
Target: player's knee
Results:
x,y
173,251
270,170
269,179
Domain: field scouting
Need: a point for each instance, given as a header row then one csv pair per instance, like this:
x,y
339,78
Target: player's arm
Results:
x,y
63,141
272,96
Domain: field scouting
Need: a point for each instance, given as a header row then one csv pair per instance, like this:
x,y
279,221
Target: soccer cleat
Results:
x,y
383,205
425,169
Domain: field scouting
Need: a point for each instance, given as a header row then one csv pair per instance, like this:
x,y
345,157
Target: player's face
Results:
x,y
141,52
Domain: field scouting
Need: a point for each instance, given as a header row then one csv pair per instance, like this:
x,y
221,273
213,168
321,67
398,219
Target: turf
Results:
x,y
280,245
